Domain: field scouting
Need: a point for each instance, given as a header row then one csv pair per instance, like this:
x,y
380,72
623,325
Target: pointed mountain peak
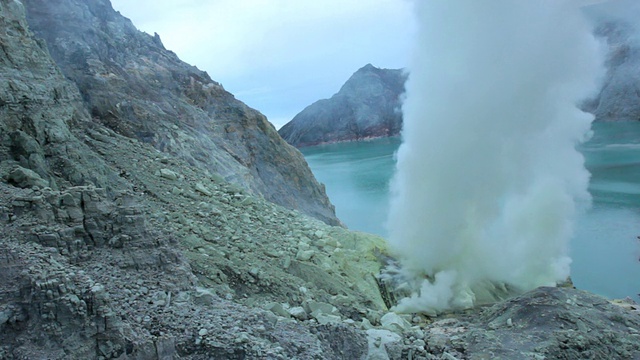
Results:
x,y
368,67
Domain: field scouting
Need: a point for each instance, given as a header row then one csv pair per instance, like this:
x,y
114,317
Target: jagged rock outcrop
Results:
x,y
130,83
367,106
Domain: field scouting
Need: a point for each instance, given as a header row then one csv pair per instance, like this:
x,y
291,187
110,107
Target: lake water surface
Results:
x,y
605,249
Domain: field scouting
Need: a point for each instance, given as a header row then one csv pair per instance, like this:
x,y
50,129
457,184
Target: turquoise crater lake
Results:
x,y
605,248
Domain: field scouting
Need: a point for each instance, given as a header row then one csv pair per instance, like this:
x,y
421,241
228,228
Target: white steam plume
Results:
x,y
488,180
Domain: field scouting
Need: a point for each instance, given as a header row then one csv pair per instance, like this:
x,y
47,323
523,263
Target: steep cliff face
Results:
x,y
130,83
37,107
619,98
367,106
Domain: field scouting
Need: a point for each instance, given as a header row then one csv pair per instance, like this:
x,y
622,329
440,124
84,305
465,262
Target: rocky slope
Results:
x,y
367,106
130,83
111,249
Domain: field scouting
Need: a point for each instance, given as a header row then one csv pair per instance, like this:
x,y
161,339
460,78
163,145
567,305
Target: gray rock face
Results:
x,y
37,107
558,324
619,97
367,106
130,83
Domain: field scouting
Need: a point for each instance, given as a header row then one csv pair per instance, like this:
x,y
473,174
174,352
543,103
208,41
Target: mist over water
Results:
x,y
488,182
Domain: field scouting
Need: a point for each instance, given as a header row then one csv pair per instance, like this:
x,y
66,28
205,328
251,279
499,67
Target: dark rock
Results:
x,y
342,342
130,83
555,323
367,106
25,178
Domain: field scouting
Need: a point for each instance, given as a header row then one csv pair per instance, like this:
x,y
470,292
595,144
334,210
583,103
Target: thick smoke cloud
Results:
x,y
488,180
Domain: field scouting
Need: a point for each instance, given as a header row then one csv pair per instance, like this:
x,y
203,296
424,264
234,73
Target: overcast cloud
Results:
x,y
279,56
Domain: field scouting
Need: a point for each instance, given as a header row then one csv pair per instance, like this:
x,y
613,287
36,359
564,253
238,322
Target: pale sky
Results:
x,y
279,56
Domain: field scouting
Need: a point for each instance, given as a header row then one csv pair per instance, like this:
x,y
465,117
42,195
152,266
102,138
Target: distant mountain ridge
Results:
x,y
367,106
